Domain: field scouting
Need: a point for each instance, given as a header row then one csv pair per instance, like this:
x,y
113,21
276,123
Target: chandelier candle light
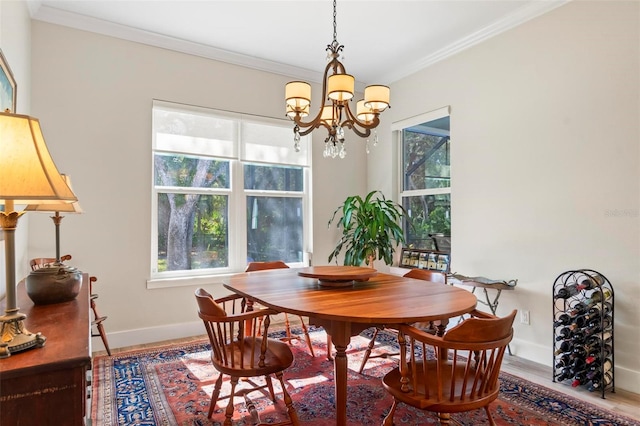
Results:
x,y
335,114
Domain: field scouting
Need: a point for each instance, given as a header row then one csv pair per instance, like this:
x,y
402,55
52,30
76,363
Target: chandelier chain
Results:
x,y
335,25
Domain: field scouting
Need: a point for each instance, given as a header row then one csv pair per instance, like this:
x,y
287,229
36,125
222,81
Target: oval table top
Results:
x,y
382,299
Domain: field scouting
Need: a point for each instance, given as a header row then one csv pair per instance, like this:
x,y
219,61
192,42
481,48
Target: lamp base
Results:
x,y
14,337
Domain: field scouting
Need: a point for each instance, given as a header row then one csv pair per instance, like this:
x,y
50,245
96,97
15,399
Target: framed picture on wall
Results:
x,y
7,96
7,86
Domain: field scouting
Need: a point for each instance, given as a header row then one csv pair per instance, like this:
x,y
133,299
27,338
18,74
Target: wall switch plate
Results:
x,y
524,317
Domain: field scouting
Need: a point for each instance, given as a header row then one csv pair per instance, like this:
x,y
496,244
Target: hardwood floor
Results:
x,y
621,401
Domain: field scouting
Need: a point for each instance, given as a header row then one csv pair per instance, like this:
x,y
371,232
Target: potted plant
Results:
x,y
370,229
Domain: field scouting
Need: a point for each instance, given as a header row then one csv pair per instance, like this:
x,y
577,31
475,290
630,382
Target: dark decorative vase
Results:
x,y
53,284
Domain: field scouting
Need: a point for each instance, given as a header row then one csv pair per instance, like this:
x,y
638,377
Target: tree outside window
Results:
x,y
426,184
209,200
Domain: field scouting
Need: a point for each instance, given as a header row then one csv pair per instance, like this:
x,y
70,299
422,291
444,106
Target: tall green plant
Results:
x,y
370,229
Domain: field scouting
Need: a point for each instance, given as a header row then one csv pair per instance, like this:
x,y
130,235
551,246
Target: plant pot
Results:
x,y
53,284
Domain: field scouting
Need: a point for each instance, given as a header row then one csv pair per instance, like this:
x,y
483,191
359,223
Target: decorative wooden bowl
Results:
x,y
337,276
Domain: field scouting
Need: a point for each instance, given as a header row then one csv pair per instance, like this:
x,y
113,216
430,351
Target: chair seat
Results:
x,y
277,357
439,402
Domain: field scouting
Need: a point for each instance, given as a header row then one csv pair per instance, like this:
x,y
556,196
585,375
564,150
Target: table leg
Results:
x,y
340,337
339,333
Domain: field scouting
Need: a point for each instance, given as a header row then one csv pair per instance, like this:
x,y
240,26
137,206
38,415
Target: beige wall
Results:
x,y
94,97
545,162
545,176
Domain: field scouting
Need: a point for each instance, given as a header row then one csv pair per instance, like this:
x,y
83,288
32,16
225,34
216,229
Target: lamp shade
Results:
x,y
73,207
27,171
298,95
327,115
364,113
340,87
376,97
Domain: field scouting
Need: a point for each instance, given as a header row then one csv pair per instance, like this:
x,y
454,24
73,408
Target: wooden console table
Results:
x,y
48,386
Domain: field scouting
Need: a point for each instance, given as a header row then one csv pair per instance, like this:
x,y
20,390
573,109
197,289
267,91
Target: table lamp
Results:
x,y
28,175
57,282
57,209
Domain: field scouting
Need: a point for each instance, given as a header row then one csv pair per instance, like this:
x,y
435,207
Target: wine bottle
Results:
x,y
579,378
567,291
563,319
600,308
564,360
595,340
596,325
581,320
578,308
597,354
565,347
601,295
564,333
601,382
579,364
591,282
595,371
583,349
565,374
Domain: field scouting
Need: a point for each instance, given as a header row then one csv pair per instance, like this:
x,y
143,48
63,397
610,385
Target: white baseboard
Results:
x,y
142,336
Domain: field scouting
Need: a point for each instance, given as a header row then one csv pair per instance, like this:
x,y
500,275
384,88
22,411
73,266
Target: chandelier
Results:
x,y
335,115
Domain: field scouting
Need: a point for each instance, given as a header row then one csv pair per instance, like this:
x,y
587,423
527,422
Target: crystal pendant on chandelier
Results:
x,y
296,138
343,151
336,111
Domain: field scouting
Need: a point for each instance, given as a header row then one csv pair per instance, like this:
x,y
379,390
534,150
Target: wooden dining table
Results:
x,y
347,309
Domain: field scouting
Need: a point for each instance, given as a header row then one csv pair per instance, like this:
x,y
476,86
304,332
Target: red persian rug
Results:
x,y
172,385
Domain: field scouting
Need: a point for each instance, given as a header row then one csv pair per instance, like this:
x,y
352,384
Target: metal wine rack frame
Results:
x,y
560,305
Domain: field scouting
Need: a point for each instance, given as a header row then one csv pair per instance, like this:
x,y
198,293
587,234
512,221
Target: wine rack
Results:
x,y
583,330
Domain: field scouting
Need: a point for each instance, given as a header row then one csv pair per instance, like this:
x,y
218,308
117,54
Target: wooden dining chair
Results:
x,y
238,351
97,318
452,373
432,327
278,264
41,262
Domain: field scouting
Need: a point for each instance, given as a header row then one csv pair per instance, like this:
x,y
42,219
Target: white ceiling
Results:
x,y
384,40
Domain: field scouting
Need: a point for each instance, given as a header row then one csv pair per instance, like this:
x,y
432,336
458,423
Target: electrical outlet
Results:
x,y
524,317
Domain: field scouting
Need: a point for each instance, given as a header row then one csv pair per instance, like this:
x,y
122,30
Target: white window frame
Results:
x,y
237,239
397,128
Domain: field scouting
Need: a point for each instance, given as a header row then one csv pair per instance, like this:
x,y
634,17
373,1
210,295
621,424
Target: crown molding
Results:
x,y
519,17
51,15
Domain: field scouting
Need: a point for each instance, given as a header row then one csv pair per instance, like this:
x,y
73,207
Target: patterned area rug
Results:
x,y
172,385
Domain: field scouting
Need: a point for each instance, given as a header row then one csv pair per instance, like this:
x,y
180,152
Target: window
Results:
x,y
227,189
426,180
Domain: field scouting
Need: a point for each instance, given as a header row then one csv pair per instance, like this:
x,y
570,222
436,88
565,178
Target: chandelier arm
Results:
x,y
360,128
317,122
310,126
